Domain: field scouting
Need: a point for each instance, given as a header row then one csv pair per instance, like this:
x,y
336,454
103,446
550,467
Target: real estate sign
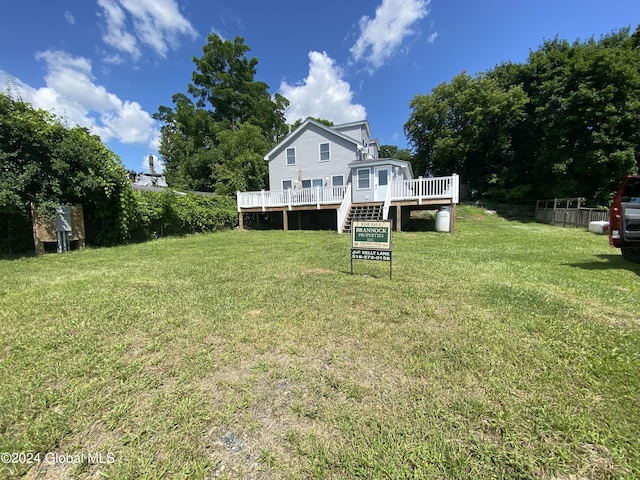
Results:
x,y
371,235
371,241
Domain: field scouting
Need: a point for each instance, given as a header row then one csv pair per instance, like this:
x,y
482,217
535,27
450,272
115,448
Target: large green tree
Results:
x,y
464,127
46,163
585,114
565,123
224,96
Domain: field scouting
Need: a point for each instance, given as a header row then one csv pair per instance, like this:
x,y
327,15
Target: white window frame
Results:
x,y
291,182
368,176
286,154
333,183
328,152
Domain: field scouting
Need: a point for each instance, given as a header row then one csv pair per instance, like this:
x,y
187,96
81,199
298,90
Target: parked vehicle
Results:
x,y
624,219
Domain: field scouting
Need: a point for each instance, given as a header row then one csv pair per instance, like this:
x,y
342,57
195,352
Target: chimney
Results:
x,y
152,169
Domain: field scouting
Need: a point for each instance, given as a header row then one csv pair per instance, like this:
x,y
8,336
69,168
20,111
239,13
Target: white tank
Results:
x,y
443,220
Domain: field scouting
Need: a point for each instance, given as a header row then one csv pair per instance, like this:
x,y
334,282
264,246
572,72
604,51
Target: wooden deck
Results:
x,y
420,193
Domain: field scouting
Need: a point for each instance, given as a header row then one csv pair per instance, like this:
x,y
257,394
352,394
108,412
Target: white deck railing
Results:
x,y
419,189
292,198
344,208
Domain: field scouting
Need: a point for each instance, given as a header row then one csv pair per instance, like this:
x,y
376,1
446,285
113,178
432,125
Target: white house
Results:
x,y
334,175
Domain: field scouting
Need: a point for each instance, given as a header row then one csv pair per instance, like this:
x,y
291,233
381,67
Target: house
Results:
x,y
333,176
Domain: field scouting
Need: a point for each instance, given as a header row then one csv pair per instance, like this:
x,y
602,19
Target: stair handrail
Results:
x,y
387,202
344,208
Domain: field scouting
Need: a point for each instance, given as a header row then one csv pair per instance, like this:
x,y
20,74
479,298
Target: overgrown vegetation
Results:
x,y
507,350
165,213
48,164
44,162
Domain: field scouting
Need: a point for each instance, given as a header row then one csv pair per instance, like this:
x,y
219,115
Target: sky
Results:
x,y
108,65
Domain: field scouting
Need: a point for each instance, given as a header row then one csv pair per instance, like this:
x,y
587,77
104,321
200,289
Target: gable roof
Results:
x,y
289,139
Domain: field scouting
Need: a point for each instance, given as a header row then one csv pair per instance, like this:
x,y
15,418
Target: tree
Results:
x,y
463,127
239,163
46,163
225,96
566,123
585,99
392,151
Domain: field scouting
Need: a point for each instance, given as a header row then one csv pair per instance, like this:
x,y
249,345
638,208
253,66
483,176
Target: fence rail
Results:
x,y
568,212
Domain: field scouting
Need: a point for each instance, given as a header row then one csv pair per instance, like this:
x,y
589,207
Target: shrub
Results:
x,y
168,213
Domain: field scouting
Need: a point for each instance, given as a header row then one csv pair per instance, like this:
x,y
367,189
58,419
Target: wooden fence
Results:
x,y
568,212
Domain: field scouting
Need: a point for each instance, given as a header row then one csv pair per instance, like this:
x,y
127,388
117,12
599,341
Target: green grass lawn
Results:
x,y
507,350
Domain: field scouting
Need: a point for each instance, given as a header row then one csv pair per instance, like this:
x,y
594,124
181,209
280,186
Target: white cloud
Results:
x,y
432,37
380,37
323,94
116,35
68,16
71,93
158,24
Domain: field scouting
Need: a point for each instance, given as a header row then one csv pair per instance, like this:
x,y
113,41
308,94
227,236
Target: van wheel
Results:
x,y
631,254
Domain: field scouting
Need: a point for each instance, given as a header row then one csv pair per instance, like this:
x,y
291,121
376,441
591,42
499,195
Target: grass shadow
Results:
x,y
607,262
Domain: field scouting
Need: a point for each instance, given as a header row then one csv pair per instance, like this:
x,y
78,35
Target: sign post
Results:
x,y
371,241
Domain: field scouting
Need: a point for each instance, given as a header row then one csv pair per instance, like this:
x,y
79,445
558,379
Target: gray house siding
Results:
x,y
308,167
354,130
364,177
358,193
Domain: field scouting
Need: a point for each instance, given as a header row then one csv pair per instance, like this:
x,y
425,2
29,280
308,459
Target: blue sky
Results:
x,y
109,64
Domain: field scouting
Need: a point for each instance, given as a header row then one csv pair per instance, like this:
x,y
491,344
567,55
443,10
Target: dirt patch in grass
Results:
x,y
267,407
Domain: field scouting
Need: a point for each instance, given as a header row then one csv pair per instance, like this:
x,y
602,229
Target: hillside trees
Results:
x,y
201,139
565,123
44,162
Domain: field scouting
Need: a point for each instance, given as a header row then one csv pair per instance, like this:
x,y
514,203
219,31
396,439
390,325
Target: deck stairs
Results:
x,y
362,213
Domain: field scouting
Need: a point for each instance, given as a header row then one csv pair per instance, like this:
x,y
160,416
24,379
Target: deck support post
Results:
x,y
453,218
241,221
285,220
398,218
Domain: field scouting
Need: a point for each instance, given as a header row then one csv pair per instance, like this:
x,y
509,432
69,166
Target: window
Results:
x,y
291,156
632,191
287,184
364,182
383,177
337,180
325,154
308,183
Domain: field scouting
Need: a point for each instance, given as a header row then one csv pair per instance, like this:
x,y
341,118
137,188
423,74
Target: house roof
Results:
x,y
330,130
384,161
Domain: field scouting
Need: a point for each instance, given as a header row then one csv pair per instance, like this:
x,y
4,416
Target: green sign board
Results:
x,y
371,235
371,241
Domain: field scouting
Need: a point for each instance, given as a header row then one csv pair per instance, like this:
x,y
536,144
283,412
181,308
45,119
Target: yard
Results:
x,y
507,350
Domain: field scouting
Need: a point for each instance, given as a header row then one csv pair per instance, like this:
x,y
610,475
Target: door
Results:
x,y
381,178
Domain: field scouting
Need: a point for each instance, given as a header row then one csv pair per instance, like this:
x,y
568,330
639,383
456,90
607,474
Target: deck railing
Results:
x,y
419,189
422,189
344,208
290,198
426,189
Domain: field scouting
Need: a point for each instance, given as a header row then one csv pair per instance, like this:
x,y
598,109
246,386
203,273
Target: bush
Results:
x,y
168,213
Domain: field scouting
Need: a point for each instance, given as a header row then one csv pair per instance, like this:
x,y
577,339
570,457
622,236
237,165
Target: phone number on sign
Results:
x,y
56,458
